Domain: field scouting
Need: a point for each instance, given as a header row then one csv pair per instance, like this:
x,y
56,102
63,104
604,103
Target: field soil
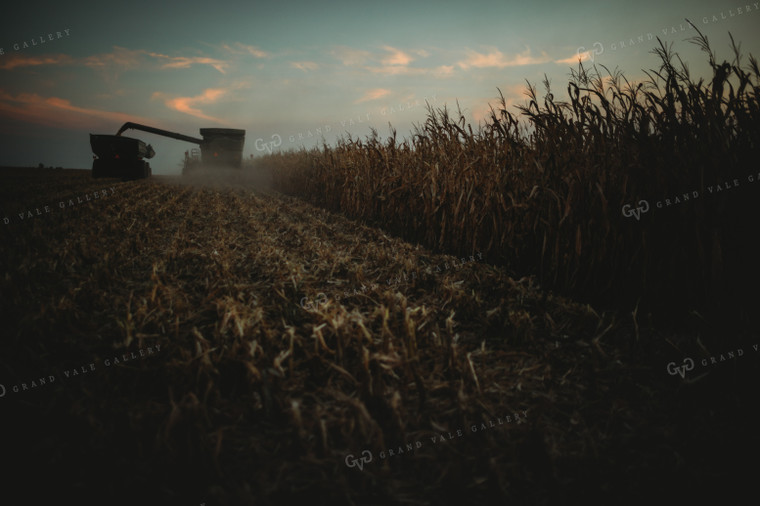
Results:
x,y
212,341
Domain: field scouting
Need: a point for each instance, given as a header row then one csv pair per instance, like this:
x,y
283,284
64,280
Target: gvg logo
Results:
x,y
352,461
276,142
592,53
638,211
688,365
308,304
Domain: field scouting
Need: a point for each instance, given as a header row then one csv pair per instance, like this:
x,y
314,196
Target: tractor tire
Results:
x,y
97,169
134,171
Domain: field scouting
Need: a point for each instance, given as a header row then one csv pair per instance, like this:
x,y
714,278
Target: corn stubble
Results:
x,y
544,197
254,398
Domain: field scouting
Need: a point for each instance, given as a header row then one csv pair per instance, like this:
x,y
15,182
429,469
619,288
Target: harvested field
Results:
x,y
236,346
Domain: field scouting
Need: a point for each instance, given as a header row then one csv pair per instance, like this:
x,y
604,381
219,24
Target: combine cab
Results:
x,y
192,161
117,156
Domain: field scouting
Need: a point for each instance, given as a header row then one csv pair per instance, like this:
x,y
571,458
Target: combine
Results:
x,y
117,156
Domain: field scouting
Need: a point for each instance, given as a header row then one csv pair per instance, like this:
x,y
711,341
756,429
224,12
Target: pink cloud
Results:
x,y
59,112
14,61
372,95
187,105
397,57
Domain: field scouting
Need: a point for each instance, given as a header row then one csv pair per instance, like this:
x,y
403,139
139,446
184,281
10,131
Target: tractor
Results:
x,y
117,156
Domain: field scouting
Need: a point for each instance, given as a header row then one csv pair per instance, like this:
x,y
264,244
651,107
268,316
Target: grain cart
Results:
x,y
117,156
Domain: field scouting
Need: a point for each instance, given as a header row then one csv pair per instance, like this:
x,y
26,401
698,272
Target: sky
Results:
x,y
292,73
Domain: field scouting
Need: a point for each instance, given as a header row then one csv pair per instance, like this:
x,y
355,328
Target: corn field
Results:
x,y
542,194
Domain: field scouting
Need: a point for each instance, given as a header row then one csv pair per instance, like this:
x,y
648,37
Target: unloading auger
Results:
x,y
124,157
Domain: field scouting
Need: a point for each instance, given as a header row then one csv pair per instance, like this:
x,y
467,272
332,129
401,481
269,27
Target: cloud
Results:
x,y
187,105
443,70
496,58
125,59
59,112
396,70
399,70
372,95
240,48
397,57
513,95
112,65
396,62
349,56
584,56
13,61
481,110
120,57
183,62
304,65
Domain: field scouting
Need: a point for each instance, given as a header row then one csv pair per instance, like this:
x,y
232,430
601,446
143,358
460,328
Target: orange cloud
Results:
x,y
394,62
240,48
372,95
187,105
58,112
304,65
19,60
584,56
112,64
496,58
397,57
397,64
183,62
120,59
